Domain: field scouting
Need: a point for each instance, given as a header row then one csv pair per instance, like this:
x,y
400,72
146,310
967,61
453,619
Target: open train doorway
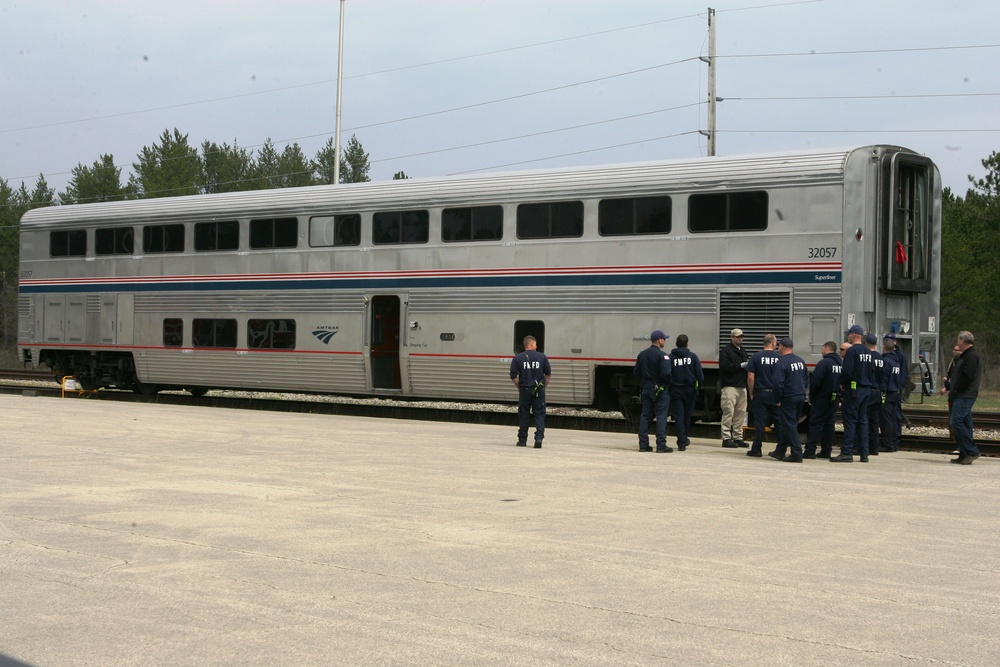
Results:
x,y
384,348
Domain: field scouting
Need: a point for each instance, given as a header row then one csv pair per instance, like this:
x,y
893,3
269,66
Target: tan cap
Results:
x,y
736,333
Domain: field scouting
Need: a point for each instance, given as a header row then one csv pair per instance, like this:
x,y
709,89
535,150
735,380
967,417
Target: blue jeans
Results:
x,y
961,424
653,406
529,402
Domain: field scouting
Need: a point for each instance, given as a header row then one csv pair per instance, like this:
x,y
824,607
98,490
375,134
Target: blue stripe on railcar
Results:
x,y
596,280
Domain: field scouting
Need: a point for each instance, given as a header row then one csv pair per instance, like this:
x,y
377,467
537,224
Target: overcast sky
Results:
x,y
442,87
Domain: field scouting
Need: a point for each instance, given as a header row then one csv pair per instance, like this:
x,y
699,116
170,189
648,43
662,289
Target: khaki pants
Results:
x,y
734,412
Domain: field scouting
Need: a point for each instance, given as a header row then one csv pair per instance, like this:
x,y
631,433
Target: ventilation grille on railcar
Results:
x,y
757,314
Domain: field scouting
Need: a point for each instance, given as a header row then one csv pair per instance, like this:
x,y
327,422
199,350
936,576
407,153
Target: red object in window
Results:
x,y
900,253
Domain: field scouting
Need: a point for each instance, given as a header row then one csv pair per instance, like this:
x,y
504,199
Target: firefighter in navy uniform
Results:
x,y
877,396
530,372
892,404
653,369
760,392
685,379
857,377
904,379
824,398
791,382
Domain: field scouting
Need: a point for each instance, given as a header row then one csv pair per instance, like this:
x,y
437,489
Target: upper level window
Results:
x,y
72,243
728,212
217,235
335,230
400,227
162,238
114,241
473,223
550,220
634,215
274,233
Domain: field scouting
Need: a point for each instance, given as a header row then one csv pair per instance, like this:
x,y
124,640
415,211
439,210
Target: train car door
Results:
x,y
384,343
116,319
908,301
52,319
76,318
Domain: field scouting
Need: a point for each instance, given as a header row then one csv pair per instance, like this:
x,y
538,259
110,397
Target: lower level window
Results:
x,y
213,333
533,328
271,334
173,332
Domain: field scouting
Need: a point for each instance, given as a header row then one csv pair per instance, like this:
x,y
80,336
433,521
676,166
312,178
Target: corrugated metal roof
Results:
x,y
744,171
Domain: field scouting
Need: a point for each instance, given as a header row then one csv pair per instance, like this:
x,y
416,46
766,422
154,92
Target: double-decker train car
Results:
x,y
424,288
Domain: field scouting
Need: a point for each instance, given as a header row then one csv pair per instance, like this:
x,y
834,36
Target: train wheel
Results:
x,y
146,389
631,410
197,392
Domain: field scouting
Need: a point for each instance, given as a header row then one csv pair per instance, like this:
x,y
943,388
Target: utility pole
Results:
x,y
711,83
340,79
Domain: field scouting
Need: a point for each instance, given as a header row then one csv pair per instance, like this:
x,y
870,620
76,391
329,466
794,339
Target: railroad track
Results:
x,y
558,418
17,374
989,421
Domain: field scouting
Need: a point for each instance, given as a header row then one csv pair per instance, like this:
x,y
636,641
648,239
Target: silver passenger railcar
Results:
x,y
424,288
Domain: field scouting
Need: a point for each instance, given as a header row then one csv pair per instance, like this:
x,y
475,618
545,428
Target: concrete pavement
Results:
x,y
138,534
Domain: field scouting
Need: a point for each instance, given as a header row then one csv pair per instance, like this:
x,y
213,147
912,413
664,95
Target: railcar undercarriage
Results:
x,y
99,370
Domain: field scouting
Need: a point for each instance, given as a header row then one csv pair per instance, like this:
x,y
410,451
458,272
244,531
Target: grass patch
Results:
x,y
988,401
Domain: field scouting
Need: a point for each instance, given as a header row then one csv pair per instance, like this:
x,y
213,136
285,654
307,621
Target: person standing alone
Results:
x,y
964,381
653,369
530,373
733,377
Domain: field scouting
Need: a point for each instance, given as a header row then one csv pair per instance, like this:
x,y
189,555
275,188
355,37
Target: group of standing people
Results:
x,y
668,385
866,383
774,382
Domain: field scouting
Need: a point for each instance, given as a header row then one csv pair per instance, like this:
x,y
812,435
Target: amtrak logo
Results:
x,y
325,334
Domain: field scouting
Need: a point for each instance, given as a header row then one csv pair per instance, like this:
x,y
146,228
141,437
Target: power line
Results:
x,y
857,97
354,76
329,81
538,134
526,46
451,110
589,150
521,96
859,51
944,130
